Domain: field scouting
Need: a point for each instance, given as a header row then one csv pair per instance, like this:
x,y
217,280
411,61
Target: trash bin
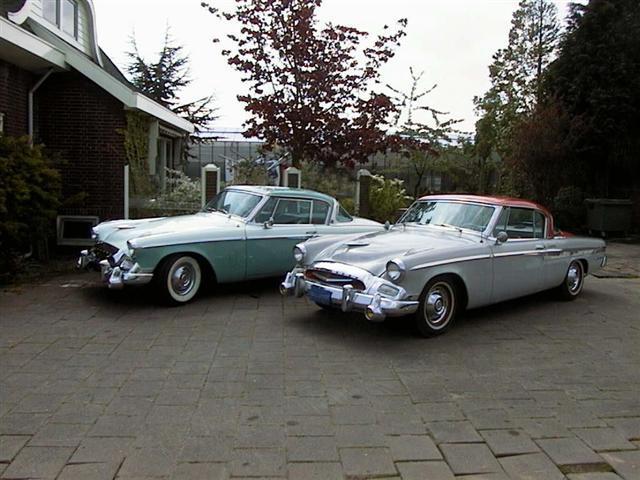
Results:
x,y
608,215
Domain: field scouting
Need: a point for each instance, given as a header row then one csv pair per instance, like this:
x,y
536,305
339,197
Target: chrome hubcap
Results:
x,y
439,305
574,277
183,279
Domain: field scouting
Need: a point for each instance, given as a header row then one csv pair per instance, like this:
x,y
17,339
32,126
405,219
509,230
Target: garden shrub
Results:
x,y
386,197
30,191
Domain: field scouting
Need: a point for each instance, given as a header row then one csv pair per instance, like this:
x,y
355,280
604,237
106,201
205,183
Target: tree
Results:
x,y
164,79
516,75
595,79
310,86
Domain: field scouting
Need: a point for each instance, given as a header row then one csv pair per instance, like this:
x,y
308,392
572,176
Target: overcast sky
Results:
x,y
452,41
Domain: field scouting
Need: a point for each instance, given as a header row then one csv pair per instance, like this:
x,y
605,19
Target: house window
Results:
x,y
50,10
63,14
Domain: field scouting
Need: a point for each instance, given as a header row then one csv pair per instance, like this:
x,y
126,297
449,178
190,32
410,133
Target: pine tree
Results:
x,y
164,79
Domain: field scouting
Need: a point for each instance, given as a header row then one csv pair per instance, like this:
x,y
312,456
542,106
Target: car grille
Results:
x,y
103,251
333,279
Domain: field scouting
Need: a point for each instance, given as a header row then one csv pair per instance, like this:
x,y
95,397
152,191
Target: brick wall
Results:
x,y
80,122
15,84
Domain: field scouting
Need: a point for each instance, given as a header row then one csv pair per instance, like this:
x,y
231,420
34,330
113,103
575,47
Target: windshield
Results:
x,y
233,202
449,214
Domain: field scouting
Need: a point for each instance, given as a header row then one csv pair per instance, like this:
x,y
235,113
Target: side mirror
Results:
x,y
387,225
502,237
268,223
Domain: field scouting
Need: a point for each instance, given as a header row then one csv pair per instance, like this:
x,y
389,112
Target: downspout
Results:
x,y
31,102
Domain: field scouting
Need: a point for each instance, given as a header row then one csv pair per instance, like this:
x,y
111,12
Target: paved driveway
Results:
x,y
100,385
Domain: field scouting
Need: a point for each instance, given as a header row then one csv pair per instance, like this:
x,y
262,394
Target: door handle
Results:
x,y
539,247
312,233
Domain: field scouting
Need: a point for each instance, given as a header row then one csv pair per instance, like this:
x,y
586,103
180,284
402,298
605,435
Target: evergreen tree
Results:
x,y
164,79
516,74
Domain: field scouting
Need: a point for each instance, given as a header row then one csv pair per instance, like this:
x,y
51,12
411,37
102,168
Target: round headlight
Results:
x,y
299,252
395,270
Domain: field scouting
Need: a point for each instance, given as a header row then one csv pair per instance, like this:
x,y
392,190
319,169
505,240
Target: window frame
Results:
x,y
58,21
533,213
300,199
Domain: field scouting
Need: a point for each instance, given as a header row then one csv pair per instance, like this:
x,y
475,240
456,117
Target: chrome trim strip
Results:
x,y
452,260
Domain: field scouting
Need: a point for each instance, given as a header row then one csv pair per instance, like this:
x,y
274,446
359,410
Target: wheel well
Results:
x,y
461,287
585,265
208,273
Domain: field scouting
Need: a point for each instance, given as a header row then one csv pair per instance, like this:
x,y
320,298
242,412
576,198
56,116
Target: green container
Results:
x,y
608,215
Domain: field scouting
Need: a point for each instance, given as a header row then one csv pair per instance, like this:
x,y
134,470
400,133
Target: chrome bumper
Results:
x,y
115,276
375,307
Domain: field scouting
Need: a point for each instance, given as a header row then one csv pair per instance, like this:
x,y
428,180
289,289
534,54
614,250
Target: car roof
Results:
x,y
283,191
489,200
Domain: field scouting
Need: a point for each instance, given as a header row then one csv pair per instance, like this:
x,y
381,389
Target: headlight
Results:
x,y
299,252
395,270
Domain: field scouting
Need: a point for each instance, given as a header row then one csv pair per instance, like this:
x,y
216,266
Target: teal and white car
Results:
x,y
246,232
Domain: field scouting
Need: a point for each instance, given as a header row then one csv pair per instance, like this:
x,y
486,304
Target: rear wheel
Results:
x,y
573,282
438,306
179,279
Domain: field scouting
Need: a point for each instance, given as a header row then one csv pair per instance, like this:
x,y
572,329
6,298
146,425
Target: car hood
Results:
x,y
372,251
150,232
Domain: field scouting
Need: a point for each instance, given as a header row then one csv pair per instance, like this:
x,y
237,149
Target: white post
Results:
x,y
293,177
126,192
210,182
361,173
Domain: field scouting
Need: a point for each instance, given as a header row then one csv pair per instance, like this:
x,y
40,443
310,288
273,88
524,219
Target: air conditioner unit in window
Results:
x,y
74,230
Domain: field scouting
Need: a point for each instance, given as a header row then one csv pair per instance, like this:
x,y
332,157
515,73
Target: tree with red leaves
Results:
x,y
311,86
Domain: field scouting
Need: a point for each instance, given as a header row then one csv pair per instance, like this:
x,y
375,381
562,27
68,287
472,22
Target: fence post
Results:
x,y
363,187
126,192
210,178
293,177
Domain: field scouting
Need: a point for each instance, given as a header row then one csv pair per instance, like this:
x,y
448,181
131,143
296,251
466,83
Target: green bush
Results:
x,y
30,189
386,197
336,182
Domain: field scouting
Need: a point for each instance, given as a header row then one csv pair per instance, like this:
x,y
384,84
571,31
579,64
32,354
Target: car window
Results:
x,y
538,225
320,212
291,211
343,216
518,223
234,202
266,212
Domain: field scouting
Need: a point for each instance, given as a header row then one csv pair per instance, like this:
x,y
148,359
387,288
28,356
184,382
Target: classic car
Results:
x,y
445,254
243,233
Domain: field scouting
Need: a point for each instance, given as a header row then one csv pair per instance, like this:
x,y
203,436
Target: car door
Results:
x,y
518,263
280,224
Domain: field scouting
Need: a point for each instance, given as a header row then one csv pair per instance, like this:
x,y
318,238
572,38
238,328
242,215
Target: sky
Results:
x,y
451,41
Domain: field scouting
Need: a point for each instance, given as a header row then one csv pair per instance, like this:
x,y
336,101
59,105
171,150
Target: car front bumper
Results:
x,y
114,273
375,307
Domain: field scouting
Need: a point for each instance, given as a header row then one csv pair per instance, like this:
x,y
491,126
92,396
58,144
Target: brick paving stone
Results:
x,y
569,451
101,450
148,462
626,464
425,470
258,462
200,471
10,446
412,447
352,415
117,426
38,462
594,476
315,471
93,471
206,449
630,427
312,449
530,467
360,436
604,439
454,432
467,459
365,462
59,435
543,428
260,436
509,442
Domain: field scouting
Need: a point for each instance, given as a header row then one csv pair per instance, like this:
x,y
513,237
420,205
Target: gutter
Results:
x,y
31,102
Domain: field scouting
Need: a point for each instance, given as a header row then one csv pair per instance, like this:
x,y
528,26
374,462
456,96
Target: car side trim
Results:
x,y
451,260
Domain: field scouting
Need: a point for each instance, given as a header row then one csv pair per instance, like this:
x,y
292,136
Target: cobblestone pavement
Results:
x,y
100,385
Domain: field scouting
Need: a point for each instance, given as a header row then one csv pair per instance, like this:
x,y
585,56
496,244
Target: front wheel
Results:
x,y
438,306
573,282
179,279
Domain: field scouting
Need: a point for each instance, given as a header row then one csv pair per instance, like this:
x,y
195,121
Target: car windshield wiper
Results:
x,y
212,209
447,225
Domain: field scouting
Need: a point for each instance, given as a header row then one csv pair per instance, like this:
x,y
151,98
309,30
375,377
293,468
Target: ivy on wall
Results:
x,y
136,146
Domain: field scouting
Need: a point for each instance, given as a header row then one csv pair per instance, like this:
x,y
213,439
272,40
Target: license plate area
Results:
x,y
319,295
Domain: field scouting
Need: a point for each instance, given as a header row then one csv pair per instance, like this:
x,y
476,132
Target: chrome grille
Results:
x,y
333,279
103,251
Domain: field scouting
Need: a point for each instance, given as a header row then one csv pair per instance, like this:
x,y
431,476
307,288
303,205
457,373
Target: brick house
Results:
x,y
60,88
